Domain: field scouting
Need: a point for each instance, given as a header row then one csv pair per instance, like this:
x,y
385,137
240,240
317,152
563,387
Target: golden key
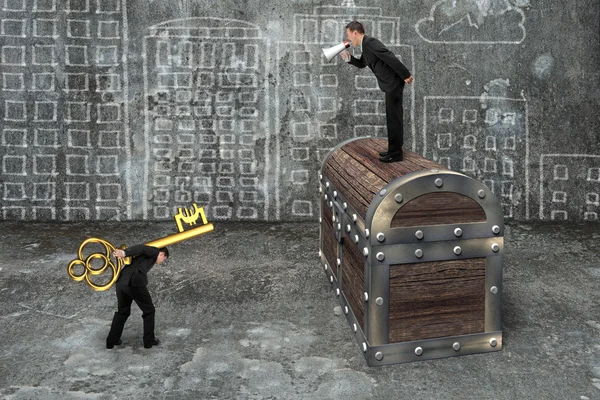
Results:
x,y
189,217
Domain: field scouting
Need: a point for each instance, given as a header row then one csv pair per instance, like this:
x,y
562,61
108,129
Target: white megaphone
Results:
x,y
335,50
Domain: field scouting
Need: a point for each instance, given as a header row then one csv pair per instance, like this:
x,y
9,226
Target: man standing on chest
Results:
x,y
131,286
391,75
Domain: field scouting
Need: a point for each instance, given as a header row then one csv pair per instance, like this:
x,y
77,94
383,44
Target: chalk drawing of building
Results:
x,y
473,22
483,137
320,103
62,134
206,118
569,187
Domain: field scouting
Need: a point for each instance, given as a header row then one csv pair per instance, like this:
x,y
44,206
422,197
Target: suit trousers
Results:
x,y
394,112
125,296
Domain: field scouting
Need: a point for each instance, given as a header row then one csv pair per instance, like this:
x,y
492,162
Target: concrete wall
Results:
x,y
119,110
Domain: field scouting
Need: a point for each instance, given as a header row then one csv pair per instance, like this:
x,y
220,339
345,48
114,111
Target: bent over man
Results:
x,y
132,286
391,75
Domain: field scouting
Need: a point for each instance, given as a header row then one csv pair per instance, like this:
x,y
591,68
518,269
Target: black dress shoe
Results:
x,y
112,345
391,157
384,153
149,345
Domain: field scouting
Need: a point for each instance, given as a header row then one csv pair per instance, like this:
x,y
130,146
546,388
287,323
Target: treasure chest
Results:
x,y
413,252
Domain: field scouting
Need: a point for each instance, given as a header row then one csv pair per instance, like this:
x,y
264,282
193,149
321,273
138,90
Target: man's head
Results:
x,y
163,254
355,32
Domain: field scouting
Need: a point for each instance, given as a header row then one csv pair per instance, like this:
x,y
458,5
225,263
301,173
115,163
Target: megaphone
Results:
x,y
335,50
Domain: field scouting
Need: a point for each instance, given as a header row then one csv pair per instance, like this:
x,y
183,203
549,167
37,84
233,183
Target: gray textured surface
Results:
x,y
245,312
99,120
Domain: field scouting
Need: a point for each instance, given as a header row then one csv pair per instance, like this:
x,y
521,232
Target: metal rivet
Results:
x,y
339,262
326,266
456,346
354,217
320,176
320,189
331,279
494,289
379,301
346,309
438,182
334,194
339,227
365,252
348,228
379,356
419,351
383,192
419,253
356,239
380,256
364,347
495,247
496,229
380,237
337,291
457,250
326,196
327,185
320,253
458,232
398,198
366,296
493,342
320,220
331,204
354,327
481,193
345,205
333,218
435,170
419,234
366,233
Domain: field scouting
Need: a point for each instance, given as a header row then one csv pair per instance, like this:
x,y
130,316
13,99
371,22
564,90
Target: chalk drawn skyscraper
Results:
x,y
62,110
486,138
320,104
206,132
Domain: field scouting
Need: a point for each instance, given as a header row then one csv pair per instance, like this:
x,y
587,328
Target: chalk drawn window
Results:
x,y
13,165
13,27
445,115
14,5
78,6
44,27
593,199
468,164
44,191
15,110
330,31
328,131
327,104
490,143
507,189
300,153
13,82
108,6
14,137
78,28
302,79
561,172
302,57
329,80
45,55
490,184
445,161
44,5
491,116
593,174
508,167
301,130
444,141
558,215
590,216
490,165
13,55
559,197
510,143
509,118
108,30
469,116
302,208
469,142
308,31
14,191
300,103
300,177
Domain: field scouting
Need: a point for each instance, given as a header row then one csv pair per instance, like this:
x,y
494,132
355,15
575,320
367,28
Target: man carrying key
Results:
x,y
391,75
131,286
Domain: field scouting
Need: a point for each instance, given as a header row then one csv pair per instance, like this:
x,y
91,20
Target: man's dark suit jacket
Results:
x,y
390,72
136,273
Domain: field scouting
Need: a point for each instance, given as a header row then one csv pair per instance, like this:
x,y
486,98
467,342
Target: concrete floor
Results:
x,y
245,312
